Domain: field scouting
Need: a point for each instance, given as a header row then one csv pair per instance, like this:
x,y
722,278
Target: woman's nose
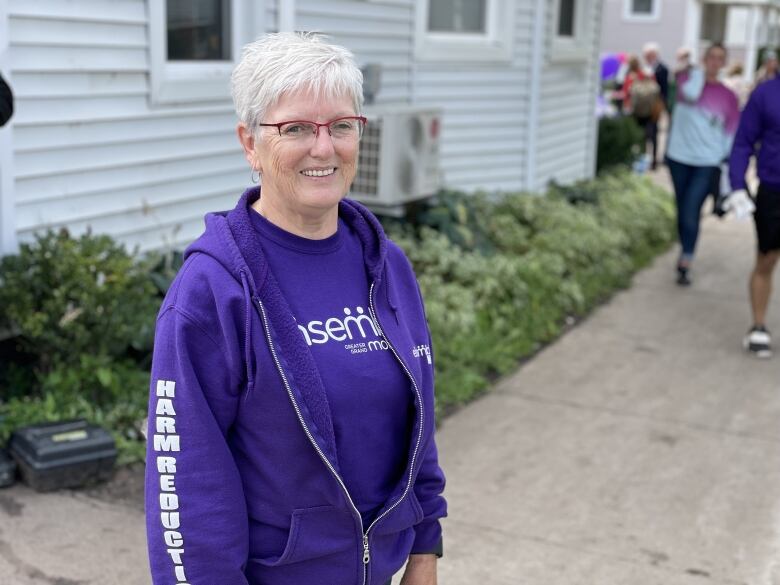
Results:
x,y
323,143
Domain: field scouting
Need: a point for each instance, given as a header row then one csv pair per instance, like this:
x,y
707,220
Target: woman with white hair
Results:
x,y
292,410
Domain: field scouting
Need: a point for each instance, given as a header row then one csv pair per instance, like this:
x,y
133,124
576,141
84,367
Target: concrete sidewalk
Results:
x,y
641,448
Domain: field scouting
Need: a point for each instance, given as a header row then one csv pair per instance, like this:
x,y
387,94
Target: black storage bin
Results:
x,y
63,454
7,469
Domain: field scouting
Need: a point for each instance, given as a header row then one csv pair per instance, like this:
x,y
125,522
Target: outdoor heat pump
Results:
x,y
399,157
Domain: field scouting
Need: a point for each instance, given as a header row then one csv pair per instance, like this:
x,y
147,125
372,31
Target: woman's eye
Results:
x,y
292,129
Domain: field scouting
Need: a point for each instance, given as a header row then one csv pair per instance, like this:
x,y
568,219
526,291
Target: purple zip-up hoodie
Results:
x,y
243,483
760,123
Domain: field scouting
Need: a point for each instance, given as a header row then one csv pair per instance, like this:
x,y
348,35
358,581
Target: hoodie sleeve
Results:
x,y
745,141
428,488
197,525
691,84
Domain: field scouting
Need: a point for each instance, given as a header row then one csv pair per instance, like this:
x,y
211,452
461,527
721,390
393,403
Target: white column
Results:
x,y
751,49
693,13
8,242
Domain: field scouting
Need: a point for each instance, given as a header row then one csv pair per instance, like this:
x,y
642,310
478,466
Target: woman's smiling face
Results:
x,y
306,175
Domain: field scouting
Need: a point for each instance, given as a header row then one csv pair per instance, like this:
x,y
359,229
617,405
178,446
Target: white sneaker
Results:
x,y
758,342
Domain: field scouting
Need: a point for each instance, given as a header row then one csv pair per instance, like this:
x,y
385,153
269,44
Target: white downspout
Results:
x,y
751,51
537,58
286,15
8,243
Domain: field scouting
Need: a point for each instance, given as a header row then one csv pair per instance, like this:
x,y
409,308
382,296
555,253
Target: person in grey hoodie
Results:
x,y
291,413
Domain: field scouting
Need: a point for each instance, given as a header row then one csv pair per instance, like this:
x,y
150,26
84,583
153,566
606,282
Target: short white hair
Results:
x,y
288,62
651,48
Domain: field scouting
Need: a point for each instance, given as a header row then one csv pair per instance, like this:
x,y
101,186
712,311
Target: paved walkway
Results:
x,y
641,448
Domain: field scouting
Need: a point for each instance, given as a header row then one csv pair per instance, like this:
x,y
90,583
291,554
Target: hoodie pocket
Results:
x,y
315,532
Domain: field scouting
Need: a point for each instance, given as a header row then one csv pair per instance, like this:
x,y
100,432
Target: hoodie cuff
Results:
x,y
428,539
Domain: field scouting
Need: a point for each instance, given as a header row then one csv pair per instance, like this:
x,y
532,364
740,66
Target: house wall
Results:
x,y
485,108
619,35
567,126
91,150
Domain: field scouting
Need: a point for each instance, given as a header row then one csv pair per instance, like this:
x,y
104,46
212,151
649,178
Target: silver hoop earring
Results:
x,y
252,176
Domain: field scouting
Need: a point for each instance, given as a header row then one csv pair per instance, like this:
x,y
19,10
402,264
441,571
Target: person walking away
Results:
x,y
760,125
768,69
704,122
642,98
660,73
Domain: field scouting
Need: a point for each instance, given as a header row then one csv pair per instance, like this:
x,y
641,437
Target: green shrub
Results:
x,y
82,308
68,297
620,142
501,276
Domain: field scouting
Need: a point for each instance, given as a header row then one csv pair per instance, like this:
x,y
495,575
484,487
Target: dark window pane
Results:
x,y
713,22
198,30
642,6
566,18
460,16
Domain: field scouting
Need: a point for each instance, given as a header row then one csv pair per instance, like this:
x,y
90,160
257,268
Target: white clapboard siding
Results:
x,y
271,16
376,32
566,141
484,105
90,151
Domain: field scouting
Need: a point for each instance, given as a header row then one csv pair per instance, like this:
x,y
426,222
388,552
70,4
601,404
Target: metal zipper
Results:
x,y
422,416
366,548
366,554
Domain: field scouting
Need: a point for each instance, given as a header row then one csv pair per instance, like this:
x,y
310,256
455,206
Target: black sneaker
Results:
x,y
682,276
758,342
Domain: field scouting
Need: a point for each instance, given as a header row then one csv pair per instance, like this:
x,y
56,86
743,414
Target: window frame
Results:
x,y
630,16
495,45
185,82
575,48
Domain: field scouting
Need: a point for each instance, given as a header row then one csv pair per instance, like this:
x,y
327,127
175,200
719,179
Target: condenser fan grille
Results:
x,y
367,177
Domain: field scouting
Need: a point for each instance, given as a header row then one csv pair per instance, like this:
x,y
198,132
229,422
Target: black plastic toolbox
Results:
x,y
7,469
63,454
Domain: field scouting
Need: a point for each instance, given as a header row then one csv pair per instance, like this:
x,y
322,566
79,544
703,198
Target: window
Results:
x,y
566,19
464,30
198,30
641,10
713,22
193,46
458,16
570,36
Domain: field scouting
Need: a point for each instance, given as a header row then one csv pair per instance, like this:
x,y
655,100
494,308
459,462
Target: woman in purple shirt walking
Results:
x,y
760,126
291,413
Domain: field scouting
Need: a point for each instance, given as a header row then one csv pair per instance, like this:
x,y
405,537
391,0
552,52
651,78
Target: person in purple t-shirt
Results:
x,y
760,126
291,413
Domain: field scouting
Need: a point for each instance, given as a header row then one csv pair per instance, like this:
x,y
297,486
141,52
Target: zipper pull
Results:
x,y
366,554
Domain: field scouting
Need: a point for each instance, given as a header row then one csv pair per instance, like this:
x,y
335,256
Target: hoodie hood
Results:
x,y
231,239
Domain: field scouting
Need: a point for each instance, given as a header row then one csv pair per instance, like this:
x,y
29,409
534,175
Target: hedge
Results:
x,y
501,275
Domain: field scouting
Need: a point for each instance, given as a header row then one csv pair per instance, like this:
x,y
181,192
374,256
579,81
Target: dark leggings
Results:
x,y
691,187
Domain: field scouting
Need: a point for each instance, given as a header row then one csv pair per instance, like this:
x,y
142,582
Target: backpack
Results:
x,y
644,94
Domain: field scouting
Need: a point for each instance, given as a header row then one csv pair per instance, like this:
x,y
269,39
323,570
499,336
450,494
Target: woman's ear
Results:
x,y
248,144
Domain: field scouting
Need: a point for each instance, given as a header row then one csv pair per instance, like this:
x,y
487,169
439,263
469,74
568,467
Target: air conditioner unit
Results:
x,y
399,158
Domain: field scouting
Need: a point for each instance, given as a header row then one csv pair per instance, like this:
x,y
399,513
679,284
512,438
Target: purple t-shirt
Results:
x,y
371,400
